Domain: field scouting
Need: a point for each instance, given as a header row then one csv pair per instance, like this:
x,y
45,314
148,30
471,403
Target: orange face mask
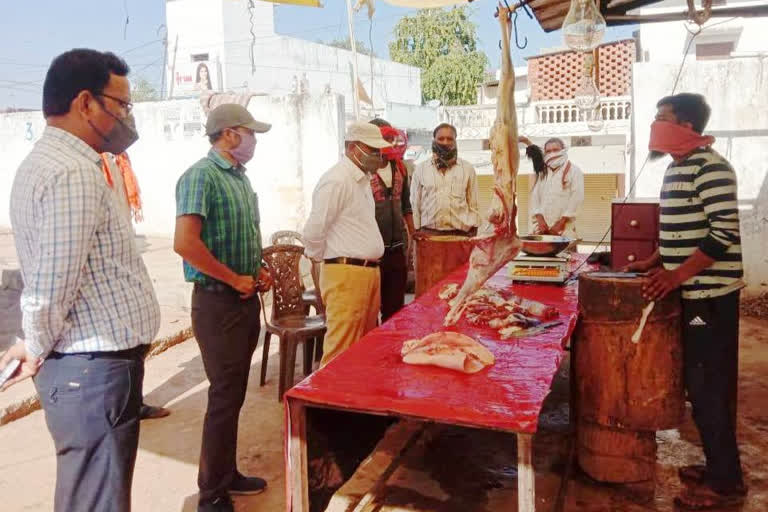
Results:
x,y
676,140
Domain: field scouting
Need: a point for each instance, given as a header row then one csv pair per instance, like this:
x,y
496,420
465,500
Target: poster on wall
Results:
x,y
193,78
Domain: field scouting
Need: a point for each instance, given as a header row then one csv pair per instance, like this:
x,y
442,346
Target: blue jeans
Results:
x,y
92,404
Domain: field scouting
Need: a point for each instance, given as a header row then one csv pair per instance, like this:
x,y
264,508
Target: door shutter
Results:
x,y
595,217
485,184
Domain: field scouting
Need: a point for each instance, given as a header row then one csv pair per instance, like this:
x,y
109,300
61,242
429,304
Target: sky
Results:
x,y
34,33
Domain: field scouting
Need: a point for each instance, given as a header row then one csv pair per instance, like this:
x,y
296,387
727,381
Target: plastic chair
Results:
x,y
289,321
310,297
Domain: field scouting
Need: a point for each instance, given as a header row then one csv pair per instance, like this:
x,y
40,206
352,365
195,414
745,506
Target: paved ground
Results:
x,y
166,469
456,471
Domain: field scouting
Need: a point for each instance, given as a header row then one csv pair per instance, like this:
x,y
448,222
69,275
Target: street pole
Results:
x,y
355,73
165,64
173,67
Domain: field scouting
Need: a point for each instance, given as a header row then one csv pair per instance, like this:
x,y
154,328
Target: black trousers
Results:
x,y
394,279
711,340
227,331
91,408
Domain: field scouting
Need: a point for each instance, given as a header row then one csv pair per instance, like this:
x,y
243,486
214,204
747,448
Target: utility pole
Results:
x,y
165,61
173,66
355,74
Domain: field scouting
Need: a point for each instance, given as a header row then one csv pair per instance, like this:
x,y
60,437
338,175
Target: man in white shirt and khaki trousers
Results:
x,y
342,232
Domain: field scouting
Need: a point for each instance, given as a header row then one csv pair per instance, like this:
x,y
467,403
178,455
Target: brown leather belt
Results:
x,y
352,261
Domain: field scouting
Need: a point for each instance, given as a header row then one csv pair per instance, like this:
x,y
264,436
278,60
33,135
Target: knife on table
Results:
x,y
536,329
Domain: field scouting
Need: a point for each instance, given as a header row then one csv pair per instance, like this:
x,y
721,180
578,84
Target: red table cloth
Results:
x,y
371,377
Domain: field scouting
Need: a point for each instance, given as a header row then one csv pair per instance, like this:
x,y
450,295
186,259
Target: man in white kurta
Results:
x,y
558,193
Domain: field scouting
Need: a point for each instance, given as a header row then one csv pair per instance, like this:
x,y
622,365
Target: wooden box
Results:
x,y
634,231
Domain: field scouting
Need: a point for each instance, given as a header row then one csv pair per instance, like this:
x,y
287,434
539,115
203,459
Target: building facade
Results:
x,y
544,95
231,45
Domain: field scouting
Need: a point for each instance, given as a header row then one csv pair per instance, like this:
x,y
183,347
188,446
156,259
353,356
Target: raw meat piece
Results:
x,y
496,242
513,319
450,350
507,332
449,291
537,309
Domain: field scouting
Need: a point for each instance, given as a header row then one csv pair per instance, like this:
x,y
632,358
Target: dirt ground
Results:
x,y
448,470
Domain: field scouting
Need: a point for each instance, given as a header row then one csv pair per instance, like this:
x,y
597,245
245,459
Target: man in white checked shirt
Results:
x,y
89,309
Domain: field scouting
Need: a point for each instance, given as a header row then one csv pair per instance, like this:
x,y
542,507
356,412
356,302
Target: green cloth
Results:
x,y
222,195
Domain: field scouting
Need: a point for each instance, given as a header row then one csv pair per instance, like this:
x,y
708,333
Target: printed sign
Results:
x,y
194,78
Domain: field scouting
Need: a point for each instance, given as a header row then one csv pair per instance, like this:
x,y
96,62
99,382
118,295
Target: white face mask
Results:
x,y
556,159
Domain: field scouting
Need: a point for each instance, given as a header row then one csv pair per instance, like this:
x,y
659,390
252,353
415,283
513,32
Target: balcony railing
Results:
x,y
550,117
565,111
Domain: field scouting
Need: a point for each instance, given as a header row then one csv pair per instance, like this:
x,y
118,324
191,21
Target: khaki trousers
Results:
x,y
352,298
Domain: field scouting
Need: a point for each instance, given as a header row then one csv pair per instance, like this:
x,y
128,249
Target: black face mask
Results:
x,y
122,135
445,154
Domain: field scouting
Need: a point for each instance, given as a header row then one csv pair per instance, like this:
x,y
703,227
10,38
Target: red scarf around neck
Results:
x,y
675,139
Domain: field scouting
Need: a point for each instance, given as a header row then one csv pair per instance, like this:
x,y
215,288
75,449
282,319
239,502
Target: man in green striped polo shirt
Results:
x,y
700,252
217,234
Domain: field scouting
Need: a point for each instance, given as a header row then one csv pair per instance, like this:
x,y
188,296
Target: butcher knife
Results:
x,y
535,330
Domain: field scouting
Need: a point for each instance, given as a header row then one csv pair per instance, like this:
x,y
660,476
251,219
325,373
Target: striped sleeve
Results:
x,y
716,186
192,194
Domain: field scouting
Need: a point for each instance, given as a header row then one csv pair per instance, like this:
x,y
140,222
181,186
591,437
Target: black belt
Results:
x,y
216,288
392,247
131,353
352,261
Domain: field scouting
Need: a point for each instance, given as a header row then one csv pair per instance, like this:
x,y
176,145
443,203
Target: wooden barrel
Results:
x,y
437,256
616,455
636,386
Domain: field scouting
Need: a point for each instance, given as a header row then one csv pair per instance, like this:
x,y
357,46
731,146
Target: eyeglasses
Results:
x,y
127,105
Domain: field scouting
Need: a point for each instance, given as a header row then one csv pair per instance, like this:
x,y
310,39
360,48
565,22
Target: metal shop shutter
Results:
x,y
595,217
485,193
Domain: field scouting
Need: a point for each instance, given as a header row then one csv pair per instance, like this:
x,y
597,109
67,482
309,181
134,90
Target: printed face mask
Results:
x,y
243,153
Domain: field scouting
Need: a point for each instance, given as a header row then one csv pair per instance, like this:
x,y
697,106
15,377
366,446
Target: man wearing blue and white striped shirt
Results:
x,y
700,252
89,308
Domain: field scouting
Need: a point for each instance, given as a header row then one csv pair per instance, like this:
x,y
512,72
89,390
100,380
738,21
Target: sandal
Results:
x,y
693,474
703,497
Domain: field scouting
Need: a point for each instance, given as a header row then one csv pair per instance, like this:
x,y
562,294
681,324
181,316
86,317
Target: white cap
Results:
x,y
367,133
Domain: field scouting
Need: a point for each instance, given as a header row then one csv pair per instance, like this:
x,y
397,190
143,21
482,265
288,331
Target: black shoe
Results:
x,y
220,504
247,485
151,412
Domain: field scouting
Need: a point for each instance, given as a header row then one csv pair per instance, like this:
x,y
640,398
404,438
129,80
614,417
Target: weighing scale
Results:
x,y
543,269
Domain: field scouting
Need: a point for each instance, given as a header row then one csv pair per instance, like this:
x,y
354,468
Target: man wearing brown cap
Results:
x,y
217,234
342,232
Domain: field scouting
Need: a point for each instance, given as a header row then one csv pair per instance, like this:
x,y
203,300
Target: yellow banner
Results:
x,y
305,3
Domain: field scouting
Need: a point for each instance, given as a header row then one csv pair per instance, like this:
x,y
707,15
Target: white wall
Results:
x,y
666,42
18,132
737,91
305,140
222,28
279,60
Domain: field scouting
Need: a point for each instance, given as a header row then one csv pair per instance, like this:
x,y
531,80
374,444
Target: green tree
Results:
x,y
143,91
443,43
344,44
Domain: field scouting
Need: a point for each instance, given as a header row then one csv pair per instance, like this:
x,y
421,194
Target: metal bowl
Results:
x,y
545,245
